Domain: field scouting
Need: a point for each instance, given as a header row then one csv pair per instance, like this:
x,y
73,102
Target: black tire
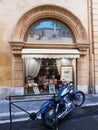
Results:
x,y
49,117
79,98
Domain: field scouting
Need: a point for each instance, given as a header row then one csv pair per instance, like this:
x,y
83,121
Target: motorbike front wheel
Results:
x,y
79,98
49,117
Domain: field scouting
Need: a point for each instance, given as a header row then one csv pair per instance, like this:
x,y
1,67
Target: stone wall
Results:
x,y
83,73
11,12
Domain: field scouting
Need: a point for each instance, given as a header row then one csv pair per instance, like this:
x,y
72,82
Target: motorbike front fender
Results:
x,y
76,91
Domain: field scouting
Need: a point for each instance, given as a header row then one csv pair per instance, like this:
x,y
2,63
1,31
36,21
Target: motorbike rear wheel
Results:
x,y
49,117
79,98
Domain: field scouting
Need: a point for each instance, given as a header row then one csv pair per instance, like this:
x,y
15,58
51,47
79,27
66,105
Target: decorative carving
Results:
x,y
50,11
83,48
16,47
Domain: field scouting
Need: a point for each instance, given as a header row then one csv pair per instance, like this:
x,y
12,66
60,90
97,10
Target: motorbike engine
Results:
x,y
66,99
68,102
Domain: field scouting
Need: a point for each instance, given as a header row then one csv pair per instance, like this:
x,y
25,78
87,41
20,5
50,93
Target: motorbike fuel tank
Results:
x,y
64,90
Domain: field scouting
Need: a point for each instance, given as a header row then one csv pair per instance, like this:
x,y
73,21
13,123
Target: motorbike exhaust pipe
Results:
x,y
62,114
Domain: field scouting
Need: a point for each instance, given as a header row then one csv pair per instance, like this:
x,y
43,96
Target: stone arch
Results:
x,y
50,11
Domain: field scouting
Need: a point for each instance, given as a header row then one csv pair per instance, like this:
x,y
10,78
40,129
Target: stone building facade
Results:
x,y
16,17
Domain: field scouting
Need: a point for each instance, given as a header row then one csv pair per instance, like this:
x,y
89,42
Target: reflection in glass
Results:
x,y
50,30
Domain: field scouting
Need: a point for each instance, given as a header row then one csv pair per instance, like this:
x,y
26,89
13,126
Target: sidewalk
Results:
x,y
91,100
31,106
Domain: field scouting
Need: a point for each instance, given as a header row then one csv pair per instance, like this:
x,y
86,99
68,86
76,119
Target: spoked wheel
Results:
x,y
79,98
49,117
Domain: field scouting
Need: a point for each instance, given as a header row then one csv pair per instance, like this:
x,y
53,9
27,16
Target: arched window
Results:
x,y
50,30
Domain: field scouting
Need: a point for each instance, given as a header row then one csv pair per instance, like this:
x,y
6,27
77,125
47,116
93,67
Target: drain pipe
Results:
x,y
91,50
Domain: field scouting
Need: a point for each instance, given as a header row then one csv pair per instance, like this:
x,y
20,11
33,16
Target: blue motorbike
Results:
x,y
59,106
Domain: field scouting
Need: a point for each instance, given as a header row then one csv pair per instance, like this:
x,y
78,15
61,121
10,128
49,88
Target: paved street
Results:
x,y
84,118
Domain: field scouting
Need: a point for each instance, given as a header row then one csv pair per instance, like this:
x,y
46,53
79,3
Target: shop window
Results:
x,y
48,68
48,76
50,31
46,79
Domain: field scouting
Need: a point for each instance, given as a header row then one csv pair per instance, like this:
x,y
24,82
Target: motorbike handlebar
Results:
x,y
70,85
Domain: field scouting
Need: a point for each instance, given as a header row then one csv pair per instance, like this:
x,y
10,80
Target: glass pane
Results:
x,y
50,31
